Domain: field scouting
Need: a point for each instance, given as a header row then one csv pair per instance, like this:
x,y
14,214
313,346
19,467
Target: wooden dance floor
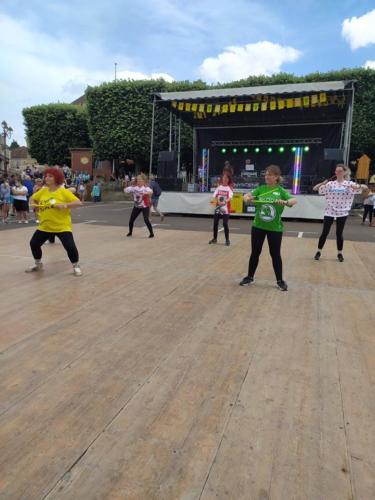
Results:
x,y
155,376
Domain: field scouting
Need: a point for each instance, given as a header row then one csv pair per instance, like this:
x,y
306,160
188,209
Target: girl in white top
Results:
x,y
221,198
339,195
141,196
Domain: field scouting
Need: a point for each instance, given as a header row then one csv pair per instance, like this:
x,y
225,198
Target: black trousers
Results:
x,y
146,214
274,239
327,223
225,224
368,209
66,238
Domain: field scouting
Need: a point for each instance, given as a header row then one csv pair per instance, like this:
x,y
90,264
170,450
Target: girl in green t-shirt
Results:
x,y
270,200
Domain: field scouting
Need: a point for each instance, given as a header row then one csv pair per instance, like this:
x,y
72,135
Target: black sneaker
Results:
x,y
282,285
227,243
317,256
246,281
129,234
214,240
340,257
151,236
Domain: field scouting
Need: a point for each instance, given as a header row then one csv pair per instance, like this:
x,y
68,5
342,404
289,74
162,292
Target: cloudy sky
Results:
x,y
52,49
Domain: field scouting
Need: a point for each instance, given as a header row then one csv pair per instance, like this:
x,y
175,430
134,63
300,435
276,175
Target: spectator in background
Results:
x,y
81,191
29,184
5,197
96,192
368,204
20,203
156,193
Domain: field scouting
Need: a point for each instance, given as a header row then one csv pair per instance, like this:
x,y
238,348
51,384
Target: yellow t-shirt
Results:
x,y
54,220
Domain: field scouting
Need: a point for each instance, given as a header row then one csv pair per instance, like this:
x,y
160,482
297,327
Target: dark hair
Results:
x,y
56,173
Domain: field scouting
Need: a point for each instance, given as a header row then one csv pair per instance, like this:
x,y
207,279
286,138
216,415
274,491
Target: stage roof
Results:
x,y
288,88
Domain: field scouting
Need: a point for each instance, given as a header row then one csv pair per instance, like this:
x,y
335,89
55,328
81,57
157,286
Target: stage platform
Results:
x,y
155,376
309,207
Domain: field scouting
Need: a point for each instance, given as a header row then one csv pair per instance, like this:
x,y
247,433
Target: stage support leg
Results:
x,y
152,137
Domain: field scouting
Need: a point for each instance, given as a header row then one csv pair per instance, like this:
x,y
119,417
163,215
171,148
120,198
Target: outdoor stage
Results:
x,y
310,207
155,376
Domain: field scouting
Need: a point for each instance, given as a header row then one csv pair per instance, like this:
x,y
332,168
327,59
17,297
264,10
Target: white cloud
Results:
x,y
369,64
42,69
359,31
261,58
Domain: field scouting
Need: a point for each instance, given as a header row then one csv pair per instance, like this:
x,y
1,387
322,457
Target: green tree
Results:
x,y
53,129
14,145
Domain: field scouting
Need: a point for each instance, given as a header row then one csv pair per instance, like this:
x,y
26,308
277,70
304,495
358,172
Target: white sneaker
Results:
x,y
77,271
38,266
25,221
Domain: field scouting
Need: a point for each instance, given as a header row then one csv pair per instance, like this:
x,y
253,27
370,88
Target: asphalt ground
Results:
x,y
117,214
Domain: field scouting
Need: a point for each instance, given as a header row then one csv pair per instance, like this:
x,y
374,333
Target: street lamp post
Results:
x,y
7,133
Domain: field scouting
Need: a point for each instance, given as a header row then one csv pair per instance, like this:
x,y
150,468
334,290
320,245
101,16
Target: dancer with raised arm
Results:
x,y
339,194
141,196
270,200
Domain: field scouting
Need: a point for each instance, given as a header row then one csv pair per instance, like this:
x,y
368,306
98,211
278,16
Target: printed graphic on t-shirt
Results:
x,y
46,204
138,200
267,213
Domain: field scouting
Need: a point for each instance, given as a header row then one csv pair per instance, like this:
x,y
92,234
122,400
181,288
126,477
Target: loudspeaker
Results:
x,y
167,156
333,154
167,164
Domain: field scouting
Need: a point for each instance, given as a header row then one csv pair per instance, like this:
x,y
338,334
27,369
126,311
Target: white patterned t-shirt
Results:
x,y
339,197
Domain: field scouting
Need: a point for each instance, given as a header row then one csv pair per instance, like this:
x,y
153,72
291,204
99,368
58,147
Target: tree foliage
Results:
x,y
53,129
14,145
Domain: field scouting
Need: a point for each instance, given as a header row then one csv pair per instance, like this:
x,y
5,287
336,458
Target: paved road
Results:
x,y
117,214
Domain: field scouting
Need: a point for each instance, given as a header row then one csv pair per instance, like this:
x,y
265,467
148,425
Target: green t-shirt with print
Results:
x,y
267,213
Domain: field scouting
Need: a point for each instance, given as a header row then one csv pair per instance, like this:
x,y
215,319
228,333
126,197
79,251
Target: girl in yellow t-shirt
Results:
x,y
53,203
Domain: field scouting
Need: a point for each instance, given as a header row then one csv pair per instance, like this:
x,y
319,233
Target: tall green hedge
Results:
x,y
52,129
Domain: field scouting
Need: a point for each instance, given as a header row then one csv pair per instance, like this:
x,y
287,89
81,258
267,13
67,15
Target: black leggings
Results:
x,y
146,213
225,224
274,243
66,238
327,223
368,209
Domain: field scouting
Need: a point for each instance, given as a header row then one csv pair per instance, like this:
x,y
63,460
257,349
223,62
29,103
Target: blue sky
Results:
x,y
52,49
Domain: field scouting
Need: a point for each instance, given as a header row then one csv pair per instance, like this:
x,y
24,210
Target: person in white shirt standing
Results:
x,y
222,195
20,204
339,194
141,196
